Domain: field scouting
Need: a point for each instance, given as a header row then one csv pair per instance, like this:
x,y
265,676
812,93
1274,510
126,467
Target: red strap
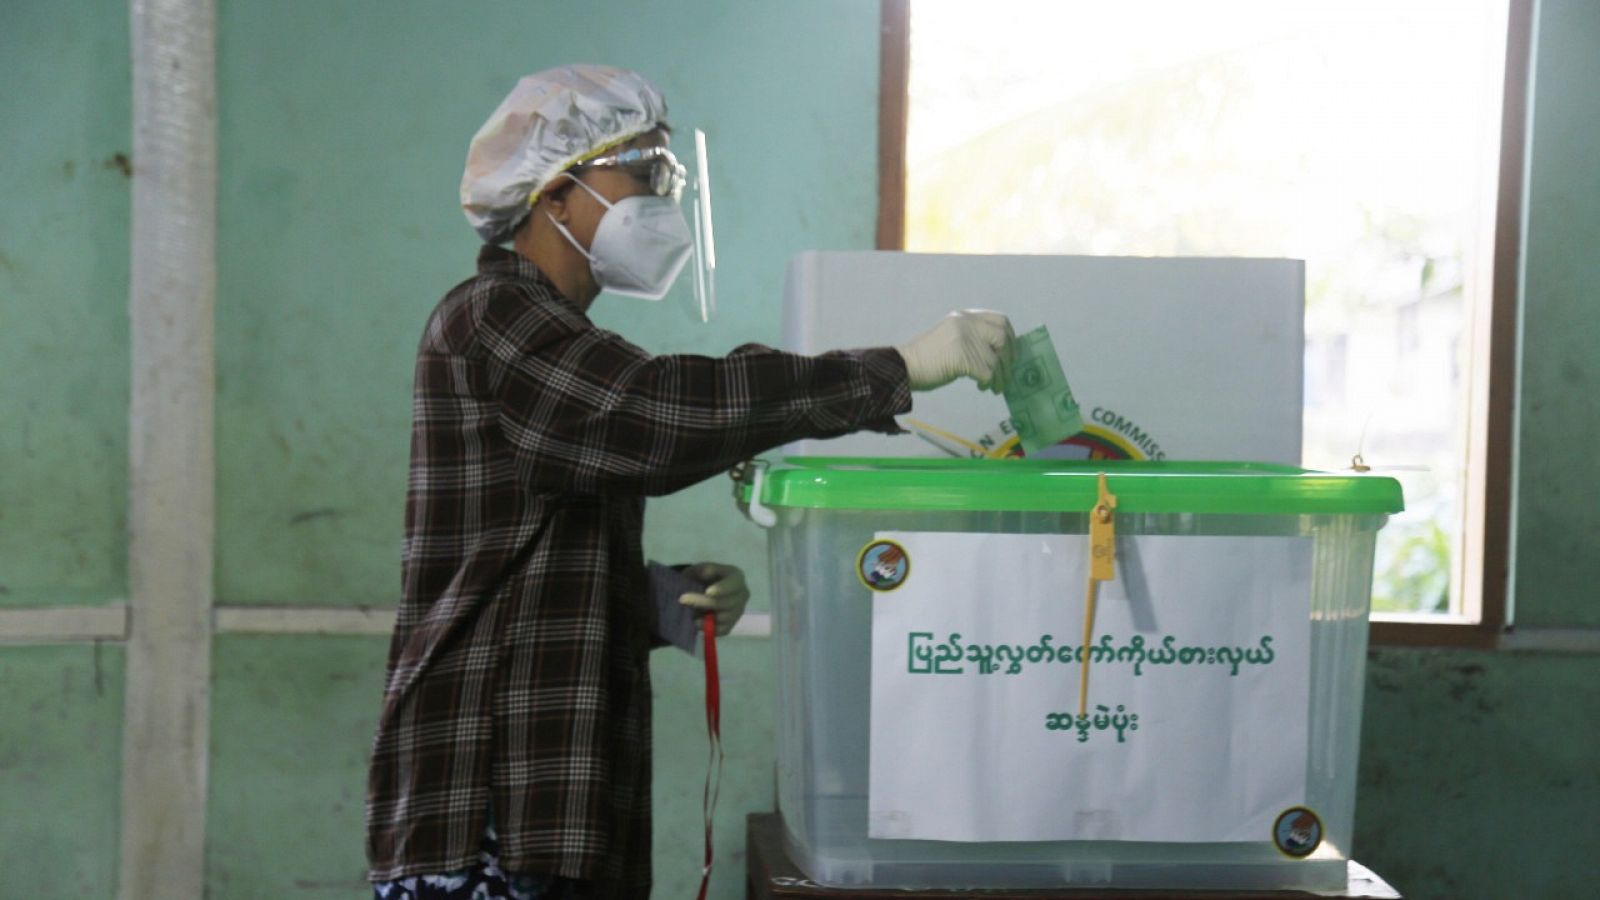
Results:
x,y
708,625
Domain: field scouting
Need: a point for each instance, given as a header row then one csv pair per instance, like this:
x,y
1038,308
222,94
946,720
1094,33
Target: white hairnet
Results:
x,y
550,121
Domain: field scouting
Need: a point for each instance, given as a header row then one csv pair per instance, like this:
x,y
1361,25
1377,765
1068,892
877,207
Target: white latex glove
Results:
x,y
725,594
968,342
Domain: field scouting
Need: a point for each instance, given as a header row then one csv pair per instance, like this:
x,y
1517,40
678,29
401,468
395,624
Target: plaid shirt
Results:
x,y
518,670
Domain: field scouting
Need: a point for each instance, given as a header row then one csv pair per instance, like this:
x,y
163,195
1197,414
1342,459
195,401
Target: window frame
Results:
x,y
1487,517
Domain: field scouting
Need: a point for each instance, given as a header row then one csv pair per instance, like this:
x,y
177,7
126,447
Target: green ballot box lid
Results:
x,y
1055,485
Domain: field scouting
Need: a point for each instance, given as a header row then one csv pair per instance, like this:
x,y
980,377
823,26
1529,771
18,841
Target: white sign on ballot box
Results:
x,y
1195,728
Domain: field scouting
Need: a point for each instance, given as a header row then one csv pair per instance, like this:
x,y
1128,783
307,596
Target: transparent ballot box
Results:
x,y
1032,673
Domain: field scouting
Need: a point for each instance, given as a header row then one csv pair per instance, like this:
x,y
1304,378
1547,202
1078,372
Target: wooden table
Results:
x,y
771,875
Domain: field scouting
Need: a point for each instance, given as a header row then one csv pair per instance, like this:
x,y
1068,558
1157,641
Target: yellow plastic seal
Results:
x,y
1102,567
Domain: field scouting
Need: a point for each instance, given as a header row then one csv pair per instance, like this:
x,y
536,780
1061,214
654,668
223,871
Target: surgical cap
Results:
x,y
550,121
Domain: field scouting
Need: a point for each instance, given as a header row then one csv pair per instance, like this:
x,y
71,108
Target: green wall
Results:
x,y
60,763
342,130
1558,520
64,117
64,373
1479,774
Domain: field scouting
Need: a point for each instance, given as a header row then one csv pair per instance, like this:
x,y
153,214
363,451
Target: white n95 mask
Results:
x,y
639,247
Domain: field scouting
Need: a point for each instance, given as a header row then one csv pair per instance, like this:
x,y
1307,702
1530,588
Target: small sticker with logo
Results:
x,y
1297,832
883,565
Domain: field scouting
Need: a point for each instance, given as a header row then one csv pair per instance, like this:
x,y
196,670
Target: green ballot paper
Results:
x,y
1041,404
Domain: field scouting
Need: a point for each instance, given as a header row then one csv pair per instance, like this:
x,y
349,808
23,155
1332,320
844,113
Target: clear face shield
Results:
x,y
705,247
695,291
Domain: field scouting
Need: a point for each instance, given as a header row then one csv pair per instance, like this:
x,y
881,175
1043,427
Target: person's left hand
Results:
x,y
725,594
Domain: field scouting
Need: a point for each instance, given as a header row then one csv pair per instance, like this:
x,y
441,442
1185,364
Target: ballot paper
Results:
x,y
1197,702
1042,408
676,624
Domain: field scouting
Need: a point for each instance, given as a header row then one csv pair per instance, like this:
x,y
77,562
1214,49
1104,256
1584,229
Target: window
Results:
x,y
1380,141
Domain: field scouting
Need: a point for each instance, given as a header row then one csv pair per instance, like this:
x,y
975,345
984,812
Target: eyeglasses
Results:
x,y
655,166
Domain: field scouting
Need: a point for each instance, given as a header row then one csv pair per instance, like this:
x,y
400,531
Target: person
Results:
x,y
512,751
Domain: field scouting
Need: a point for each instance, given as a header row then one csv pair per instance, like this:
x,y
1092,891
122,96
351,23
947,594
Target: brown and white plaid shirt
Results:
x,y
518,670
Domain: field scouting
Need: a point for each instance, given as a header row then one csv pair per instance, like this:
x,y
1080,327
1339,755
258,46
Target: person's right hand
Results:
x,y
967,343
